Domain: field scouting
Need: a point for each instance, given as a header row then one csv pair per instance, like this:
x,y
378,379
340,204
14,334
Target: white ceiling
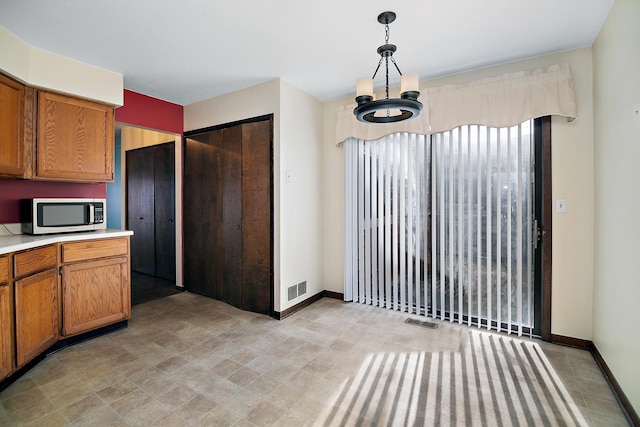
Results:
x,y
188,50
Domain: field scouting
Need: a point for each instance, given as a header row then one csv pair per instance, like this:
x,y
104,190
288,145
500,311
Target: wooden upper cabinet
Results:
x,y
12,98
74,139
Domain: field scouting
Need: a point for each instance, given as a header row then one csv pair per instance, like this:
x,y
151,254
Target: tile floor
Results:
x,y
187,360
146,288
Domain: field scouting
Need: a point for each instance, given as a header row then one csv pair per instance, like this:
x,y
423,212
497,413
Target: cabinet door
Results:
x,y
6,319
12,128
75,139
6,323
36,313
94,294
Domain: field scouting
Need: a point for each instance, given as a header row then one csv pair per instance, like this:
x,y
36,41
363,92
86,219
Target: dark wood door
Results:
x,y
232,199
192,214
140,209
202,214
228,215
257,277
165,208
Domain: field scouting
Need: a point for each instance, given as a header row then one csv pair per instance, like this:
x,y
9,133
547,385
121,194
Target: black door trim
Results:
x,y
543,213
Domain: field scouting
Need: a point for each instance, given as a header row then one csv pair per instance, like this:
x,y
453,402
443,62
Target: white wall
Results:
x,y
47,70
572,170
296,147
301,135
617,204
15,55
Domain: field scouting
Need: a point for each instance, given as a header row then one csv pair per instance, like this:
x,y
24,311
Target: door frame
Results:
x,y
130,137
543,213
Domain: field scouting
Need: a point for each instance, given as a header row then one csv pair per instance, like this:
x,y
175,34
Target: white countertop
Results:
x,y
19,242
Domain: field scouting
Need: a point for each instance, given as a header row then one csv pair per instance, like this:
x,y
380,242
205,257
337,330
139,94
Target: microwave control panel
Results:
x,y
98,214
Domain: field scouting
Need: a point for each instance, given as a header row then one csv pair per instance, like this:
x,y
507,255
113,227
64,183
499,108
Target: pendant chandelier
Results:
x,y
391,109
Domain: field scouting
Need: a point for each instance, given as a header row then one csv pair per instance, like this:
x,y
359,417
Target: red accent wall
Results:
x,y
138,110
12,190
145,111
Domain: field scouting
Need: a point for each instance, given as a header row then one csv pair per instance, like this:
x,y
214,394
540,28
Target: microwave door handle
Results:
x,y
92,214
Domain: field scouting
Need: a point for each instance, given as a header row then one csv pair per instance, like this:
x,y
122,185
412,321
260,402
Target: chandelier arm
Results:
x,y
394,63
377,68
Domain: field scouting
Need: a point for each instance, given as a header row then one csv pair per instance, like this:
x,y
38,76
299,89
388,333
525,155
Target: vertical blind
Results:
x,y
441,225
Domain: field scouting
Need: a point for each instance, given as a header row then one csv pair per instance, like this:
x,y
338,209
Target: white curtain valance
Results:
x,y
500,101
503,101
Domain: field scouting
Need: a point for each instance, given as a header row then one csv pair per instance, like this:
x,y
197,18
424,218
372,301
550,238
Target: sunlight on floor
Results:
x,y
493,380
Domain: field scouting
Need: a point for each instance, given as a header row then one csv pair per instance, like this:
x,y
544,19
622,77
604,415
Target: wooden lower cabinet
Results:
x,y
6,318
52,292
94,294
6,330
36,314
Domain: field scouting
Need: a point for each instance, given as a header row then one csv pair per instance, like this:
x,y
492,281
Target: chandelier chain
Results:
x,y
387,75
386,33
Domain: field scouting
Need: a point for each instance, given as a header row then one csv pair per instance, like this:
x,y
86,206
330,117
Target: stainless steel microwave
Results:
x,y
57,215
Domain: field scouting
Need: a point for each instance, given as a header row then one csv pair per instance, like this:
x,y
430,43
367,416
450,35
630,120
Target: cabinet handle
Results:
x,y
141,218
170,220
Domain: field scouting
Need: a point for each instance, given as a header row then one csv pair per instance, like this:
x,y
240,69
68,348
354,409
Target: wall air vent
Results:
x,y
292,292
302,288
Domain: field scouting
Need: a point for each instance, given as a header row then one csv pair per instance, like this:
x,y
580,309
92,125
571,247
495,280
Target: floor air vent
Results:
x,y
422,323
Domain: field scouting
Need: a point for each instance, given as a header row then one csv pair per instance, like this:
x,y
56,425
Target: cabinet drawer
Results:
x,y
34,260
4,268
93,249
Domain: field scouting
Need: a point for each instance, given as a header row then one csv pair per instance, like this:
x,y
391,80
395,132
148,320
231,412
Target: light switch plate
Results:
x,y
561,205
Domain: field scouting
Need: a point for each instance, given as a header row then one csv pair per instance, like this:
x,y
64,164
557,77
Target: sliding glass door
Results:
x,y
443,225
